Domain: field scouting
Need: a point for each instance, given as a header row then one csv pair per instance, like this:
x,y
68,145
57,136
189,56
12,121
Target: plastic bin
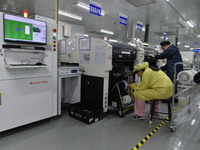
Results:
x,y
85,114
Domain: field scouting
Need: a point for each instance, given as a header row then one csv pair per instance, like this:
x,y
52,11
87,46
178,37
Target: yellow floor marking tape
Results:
x,y
144,140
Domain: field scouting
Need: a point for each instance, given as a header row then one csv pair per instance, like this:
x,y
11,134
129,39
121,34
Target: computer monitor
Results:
x,y
24,30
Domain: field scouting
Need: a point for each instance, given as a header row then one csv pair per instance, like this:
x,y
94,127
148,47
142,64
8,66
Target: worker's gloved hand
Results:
x,y
152,55
129,85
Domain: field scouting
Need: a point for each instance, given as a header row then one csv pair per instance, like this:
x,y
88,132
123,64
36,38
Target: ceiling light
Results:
x,y
187,46
111,40
86,35
106,31
178,43
69,15
190,24
167,0
85,6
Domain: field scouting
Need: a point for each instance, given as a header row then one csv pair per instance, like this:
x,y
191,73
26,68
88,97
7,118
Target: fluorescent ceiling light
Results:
x,y
106,31
86,35
69,15
190,24
187,46
111,40
85,6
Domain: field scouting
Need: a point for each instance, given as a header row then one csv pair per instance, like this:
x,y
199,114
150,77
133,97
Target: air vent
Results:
x,y
138,3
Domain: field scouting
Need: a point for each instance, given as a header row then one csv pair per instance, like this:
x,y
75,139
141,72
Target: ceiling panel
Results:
x,y
160,15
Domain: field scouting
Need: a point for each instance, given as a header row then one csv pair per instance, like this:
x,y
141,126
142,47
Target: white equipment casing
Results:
x,y
188,57
69,85
186,77
91,66
139,57
28,93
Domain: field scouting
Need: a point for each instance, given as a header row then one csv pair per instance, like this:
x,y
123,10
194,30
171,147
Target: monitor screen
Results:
x,y
20,29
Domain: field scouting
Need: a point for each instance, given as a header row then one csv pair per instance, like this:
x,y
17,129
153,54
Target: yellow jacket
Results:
x,y
154,85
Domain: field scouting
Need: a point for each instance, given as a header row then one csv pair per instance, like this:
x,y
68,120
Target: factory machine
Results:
x,y
28,71
104,64
149,52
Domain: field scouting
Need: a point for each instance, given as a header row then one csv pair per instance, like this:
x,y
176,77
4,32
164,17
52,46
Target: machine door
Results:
x,y
92,91
25,101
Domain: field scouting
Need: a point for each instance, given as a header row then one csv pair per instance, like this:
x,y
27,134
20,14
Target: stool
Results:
x,y
152,111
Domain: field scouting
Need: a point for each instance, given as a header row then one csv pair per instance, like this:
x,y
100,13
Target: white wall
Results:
x,y
76,30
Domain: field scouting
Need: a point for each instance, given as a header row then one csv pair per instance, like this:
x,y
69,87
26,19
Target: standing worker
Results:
x,y
155,85
173,56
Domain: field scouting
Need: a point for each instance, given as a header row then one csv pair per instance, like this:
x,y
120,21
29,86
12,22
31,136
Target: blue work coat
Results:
x,y
173,56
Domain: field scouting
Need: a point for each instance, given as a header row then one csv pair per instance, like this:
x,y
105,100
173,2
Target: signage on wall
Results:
x,y
123,19
139,26
197,50
95,8
164,36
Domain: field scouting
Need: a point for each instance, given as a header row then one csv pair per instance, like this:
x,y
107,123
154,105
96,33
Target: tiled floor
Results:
x,y
111,133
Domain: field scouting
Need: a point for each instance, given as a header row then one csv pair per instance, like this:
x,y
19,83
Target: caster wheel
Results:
x,y
173,129
150,122
121,114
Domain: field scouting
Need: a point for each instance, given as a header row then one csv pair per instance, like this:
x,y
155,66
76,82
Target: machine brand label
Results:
x,y
124,52
38,82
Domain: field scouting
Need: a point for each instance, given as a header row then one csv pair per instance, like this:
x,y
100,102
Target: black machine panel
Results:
x,y
122,52
123,62
148,56
92,91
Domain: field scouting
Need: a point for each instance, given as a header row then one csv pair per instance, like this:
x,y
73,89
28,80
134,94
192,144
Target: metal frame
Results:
x,y
122,107
188,88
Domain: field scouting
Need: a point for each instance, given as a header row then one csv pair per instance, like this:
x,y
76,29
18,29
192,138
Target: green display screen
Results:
x,y
18,30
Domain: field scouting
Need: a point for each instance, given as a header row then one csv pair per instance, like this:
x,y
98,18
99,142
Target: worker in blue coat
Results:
x,y
173,56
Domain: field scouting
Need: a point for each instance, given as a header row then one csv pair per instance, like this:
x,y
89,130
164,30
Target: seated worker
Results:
x,y
154,85
173,56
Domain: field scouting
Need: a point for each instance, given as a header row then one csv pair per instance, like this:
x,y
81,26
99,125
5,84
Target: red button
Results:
x,y
54,30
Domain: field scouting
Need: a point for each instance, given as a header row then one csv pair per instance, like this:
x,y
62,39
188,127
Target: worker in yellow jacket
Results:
x,y
154,85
